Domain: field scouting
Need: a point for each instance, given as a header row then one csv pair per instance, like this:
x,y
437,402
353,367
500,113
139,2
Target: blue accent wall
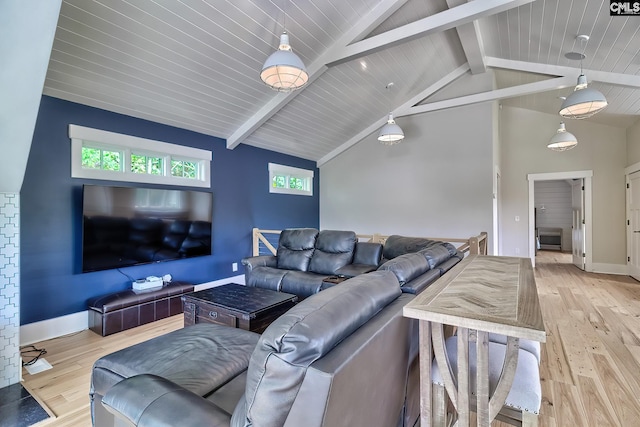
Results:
x,y
51,210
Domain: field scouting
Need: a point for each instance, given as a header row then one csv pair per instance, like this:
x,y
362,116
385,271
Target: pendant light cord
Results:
x,y
284,20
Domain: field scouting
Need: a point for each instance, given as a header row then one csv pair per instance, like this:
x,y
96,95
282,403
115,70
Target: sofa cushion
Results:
x,y
302,335
367,253
301,283
436,255
452,249
295,247
406,267
199,358
399,245
333,249
266,277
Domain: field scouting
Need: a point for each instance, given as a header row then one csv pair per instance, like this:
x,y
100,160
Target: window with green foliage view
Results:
x,y
290,180
296,183
99,154
184,169
96,158
279,181
146,164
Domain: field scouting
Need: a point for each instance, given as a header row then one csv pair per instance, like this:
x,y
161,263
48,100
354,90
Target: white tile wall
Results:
x,y
9,289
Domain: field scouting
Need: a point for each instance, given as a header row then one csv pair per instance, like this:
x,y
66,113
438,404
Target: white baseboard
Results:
x,y
620,269
76,322
236,279
53,328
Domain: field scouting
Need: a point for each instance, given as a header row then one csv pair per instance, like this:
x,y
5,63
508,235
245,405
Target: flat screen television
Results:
x,y
124,226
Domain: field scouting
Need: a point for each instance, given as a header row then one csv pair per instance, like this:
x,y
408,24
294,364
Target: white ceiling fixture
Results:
x,y
283,70
584,102
390,133
562,140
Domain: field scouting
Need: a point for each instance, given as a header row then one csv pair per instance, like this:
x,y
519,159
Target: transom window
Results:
x,y
96,158
98,154
184,168
140,163
290,180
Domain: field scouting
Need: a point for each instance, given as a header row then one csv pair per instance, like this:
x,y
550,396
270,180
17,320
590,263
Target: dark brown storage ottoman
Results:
x,y
123,310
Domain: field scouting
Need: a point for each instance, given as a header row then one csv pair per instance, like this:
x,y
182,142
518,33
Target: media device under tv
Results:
x,y
124,226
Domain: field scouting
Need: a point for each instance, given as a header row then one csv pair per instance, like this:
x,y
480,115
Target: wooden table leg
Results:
x,y
426,354
444,366
482,379
464,387
506,377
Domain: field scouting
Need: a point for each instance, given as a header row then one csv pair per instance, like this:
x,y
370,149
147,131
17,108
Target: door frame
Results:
x,y
587,175
497,211
579,223
628,171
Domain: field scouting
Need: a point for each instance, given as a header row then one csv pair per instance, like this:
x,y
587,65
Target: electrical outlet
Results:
x,y
517,218
234,266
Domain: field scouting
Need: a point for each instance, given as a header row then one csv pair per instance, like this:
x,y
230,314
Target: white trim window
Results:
x,y
290,180
98,154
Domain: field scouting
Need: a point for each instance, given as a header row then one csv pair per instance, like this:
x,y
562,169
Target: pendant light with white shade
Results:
x,y
562,140
283,70
584,102
390,133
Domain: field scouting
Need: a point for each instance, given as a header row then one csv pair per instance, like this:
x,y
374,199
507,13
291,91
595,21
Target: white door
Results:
x,y
633,225
578,226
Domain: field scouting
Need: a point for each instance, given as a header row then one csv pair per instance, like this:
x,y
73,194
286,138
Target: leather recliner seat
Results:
x,y
305,257
345,356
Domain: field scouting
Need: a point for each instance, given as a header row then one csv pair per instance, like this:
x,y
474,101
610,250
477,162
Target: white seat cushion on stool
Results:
x,y
525,393
532,347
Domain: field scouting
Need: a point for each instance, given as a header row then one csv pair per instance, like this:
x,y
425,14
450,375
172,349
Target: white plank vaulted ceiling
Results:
x,y
194,64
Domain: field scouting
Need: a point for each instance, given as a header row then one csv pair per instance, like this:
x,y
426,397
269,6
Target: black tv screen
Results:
x,y
124,226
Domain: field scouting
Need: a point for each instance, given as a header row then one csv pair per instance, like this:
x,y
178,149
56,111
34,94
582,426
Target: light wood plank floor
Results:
x,y
590,364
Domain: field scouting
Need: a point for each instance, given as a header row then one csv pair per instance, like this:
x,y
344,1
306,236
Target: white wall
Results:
x,y
602,149
26,37
438,182
633,144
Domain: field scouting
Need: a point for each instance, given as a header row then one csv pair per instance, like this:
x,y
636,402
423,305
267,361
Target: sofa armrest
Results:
x,y
259,261
353,270
152,401
420,283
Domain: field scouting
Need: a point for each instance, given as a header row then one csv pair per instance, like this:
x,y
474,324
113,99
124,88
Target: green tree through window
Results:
x,y
279,181
96,158
184,169
296,183
146,164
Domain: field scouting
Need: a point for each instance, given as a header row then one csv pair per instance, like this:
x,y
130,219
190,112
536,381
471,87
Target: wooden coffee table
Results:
x,y
238,306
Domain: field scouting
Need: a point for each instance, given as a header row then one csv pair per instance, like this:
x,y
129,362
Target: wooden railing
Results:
x,y
266,241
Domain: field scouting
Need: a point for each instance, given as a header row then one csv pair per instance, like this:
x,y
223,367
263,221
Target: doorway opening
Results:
x,y
572,231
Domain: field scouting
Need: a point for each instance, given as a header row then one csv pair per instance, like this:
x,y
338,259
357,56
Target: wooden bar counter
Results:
x,y
481,295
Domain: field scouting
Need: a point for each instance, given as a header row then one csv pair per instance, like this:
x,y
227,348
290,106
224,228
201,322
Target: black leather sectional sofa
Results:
x,y
110,242
306,258
346,356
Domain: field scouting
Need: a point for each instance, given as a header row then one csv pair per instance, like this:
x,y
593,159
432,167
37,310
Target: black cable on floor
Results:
x,y
28,351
